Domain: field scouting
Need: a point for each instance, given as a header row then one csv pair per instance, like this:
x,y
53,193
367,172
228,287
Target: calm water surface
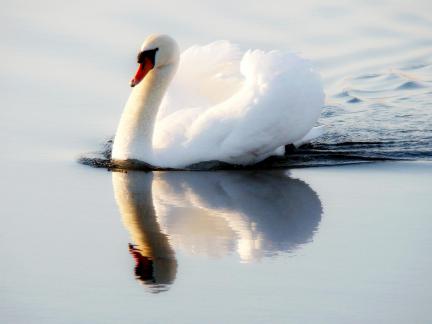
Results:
x,y
347,244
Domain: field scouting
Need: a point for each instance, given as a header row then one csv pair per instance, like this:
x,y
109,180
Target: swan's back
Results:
x,y
207,75
221,107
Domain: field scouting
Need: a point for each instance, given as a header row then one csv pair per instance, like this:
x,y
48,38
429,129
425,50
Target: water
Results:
x,y
330,244
382,115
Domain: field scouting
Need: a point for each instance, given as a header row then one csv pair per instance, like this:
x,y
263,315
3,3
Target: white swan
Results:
x,y
221,105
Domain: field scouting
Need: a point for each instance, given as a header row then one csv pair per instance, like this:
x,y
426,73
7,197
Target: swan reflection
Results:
x,y
156,265
252,213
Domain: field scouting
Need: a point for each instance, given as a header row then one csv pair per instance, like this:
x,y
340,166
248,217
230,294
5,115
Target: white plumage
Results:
x,y
224,105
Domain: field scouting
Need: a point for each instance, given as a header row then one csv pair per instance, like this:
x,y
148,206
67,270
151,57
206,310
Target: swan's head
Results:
x,y
157,51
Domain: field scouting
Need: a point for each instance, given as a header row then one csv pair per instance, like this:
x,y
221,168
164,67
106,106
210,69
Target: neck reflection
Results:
x,y
155,262
252,213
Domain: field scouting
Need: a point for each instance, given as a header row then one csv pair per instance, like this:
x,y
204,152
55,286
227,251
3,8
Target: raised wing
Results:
x,y
206,76
236,110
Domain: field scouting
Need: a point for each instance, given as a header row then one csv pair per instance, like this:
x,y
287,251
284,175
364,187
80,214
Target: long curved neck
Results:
x,y
134,134
133,194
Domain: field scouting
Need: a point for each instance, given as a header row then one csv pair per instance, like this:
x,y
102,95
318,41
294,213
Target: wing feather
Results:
x,y
237,109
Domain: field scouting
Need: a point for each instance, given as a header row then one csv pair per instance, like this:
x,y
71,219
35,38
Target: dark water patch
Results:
x,y
410,85
292,161
316,154
331,110
342,94
348,144
310,155
96,162
415,66
354,100
367,76
107,163
373,150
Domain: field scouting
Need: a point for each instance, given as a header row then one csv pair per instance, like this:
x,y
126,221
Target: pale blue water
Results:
x,y
346,244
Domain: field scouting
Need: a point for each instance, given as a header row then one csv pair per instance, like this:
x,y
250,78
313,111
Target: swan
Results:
x,y
214,102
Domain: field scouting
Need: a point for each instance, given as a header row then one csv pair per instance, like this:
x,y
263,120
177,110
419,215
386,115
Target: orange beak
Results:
x,y
142,71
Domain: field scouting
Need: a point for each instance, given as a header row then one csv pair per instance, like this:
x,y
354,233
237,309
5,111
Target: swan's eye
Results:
x,y
146,60
150,54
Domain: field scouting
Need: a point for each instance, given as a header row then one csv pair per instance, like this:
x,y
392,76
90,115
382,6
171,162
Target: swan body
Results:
x,y
214,102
